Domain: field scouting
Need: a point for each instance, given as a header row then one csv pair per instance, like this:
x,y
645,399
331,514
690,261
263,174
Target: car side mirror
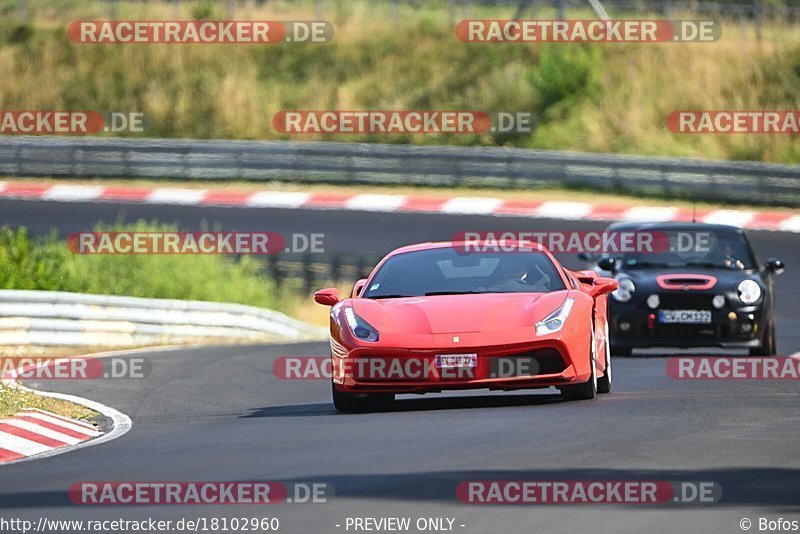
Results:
x,y
607,264
359,287
774,266
587,277
603,286
327,297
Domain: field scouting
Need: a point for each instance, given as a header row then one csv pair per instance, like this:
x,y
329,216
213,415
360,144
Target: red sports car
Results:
x,y
444,316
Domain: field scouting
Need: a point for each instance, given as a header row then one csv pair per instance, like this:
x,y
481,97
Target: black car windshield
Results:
x,y
451,271
711,248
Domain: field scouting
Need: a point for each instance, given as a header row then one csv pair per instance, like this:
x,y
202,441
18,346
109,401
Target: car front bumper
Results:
x,y
398,370
633,326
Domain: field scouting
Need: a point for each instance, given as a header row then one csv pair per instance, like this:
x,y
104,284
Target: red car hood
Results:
x,y
448,314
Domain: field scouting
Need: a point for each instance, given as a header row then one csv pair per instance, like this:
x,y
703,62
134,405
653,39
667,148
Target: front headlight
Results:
x,y
624,292
749,291
553,322
359,327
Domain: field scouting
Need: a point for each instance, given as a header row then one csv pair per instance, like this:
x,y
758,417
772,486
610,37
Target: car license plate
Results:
x,y
684,316
449,361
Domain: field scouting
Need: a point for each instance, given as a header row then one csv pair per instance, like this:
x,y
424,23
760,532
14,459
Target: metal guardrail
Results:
x,y
46,318
750,182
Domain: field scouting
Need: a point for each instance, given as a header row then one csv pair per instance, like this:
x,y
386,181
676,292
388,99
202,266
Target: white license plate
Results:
x,y
684,316
449,361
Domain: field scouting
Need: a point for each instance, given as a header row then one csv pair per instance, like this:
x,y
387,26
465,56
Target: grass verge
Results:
x,y
599,97
13,400
47,264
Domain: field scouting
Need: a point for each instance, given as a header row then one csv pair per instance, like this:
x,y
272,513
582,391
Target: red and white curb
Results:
x,y
544,209
34,432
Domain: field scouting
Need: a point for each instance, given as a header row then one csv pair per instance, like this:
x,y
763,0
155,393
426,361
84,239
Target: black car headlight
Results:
x,y
359,327
749,291
624,292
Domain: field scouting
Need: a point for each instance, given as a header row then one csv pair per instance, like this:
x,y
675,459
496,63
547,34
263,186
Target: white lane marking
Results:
x,y
73,193
46,432
470,205
167,195
367,202
277,199
792,224
731,217
63,424
650,214
21,445
554,209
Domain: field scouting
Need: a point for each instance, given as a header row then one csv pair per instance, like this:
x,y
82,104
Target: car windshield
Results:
x,y
716,249
448,271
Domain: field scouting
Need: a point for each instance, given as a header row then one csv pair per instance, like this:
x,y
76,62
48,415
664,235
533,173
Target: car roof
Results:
x,y
461,244
671,225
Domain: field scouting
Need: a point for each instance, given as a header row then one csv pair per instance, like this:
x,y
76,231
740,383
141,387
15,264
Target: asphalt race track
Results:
x,y
219,414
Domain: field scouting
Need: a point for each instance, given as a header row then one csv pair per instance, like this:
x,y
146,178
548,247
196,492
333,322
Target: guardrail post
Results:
x,y
308,274
360,267
274,269
757,15
336,269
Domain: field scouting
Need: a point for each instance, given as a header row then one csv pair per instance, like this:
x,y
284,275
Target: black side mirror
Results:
x,y
607,264
774,266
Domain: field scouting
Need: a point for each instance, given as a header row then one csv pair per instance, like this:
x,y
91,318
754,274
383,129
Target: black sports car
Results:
x,y
703,288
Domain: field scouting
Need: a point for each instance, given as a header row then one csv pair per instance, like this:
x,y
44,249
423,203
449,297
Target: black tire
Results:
x,y
587,390
769,344
348,403
604,382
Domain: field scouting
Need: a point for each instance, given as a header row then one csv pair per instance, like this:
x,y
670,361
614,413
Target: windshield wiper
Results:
x,y
646,264
434,293
708,264
376,297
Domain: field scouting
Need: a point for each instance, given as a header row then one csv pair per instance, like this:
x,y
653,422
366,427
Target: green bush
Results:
x,y
564,75
47,264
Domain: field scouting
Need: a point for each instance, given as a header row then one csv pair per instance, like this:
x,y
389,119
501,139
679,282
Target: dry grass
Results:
x,y
408,58
13,399
316,314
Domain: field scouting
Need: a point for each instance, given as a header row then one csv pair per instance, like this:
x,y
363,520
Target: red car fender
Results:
x,y
577,332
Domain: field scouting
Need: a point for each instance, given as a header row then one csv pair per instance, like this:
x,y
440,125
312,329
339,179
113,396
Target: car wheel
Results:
x,y
587,390
347,402
769,345
604,382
